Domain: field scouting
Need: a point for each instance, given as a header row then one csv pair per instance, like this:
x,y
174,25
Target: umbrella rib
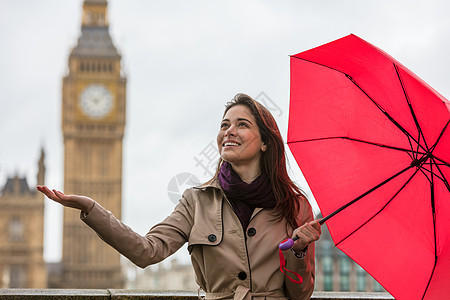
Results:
x,y
355,140
440,135
373,101
412,150
419,129
432,195
442,177
313,62
323,220
434,231
379,211
386,113
430,173
443,162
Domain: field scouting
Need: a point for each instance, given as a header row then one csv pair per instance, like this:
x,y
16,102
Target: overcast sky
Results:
x,y
184,60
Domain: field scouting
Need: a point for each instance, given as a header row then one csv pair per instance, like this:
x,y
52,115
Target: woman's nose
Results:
x,y
230,131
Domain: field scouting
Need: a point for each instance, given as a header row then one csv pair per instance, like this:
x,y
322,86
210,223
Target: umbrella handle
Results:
x,y
288,243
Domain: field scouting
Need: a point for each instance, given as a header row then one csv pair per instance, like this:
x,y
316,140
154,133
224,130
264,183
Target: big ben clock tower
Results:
x,y
93,122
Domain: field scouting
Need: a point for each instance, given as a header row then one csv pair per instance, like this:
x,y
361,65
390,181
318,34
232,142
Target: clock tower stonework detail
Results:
x,y
93,123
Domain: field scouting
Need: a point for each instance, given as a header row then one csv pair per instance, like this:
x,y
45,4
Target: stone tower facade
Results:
x,y
22,233
93,123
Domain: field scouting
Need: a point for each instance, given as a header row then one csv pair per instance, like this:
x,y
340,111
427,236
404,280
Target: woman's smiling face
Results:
x,y
239,140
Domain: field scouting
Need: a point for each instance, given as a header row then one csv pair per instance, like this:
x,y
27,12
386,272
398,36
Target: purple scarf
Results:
x,y
245,197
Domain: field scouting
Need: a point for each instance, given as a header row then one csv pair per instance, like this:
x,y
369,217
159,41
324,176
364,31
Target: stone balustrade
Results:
x,y
88,294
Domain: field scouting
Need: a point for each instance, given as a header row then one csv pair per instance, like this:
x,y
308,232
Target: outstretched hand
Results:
x,y
307,233
75,201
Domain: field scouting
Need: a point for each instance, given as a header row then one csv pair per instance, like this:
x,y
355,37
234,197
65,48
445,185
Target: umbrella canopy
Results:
x,y
373,142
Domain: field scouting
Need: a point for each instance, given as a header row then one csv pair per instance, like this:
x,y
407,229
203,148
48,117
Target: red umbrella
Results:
x,y
373,142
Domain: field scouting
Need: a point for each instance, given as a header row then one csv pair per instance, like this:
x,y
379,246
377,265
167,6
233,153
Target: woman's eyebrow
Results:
x,y
239,119
244,119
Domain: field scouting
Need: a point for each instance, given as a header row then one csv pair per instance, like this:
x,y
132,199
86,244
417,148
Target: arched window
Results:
x,y
360,279
327,265
104,163
88,17
344,272
18,276
16,229
101,19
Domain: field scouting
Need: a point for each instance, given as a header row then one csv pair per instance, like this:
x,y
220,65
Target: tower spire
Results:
x,y
41,168
95,13
95,39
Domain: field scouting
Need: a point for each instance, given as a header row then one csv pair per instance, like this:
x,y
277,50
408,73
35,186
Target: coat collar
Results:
x,y
214,183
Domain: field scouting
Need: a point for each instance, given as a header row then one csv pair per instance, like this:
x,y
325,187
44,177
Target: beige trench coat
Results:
x,y
228,262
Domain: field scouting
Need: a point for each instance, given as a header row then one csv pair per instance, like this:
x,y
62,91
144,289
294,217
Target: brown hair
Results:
x,y
273,160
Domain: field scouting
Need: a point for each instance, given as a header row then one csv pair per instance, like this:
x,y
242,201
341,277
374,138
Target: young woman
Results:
x,y
234,223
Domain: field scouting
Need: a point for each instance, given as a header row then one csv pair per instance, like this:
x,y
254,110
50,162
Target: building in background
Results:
x,y
93,124
22,233
335,271
163,276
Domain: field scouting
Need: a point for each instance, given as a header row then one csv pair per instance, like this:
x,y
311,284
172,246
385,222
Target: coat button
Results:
x,y
251,231
212,238
242,275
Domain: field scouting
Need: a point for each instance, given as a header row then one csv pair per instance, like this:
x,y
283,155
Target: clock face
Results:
x,y
96,101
